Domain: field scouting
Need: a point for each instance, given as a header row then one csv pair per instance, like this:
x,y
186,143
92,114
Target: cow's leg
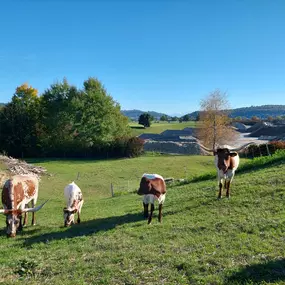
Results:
x,y
220,189
20,228
160,212
25,219
33,219
228,183
33,214
151,212
145,210
79,211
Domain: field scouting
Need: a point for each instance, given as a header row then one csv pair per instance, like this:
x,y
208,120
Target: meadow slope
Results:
x,y
201,240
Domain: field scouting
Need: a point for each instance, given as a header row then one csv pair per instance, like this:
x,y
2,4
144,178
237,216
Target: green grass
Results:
x,y
157,128
201,240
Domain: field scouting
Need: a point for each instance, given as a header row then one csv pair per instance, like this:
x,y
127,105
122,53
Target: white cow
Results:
x,y
74,201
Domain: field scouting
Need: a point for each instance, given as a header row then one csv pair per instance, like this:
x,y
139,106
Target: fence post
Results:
x,y
268,152
78,175
128,185
112,190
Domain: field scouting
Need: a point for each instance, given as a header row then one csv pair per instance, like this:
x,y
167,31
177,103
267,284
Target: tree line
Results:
x,y
65,121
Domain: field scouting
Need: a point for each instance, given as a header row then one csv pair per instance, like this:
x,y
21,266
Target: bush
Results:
x,y
134,147
278,144
127,147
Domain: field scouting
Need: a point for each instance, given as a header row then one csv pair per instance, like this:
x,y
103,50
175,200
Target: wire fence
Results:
x,y
259,150
122,188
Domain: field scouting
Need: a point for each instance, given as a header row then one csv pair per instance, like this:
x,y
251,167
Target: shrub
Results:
x,y
278,144
127,147
134,147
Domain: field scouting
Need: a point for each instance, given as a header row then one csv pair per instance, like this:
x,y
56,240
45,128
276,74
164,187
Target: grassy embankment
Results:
x,y
201,240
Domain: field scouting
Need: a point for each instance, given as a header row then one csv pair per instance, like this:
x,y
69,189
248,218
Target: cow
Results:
x,y
152,187
74,201
226,162
17,192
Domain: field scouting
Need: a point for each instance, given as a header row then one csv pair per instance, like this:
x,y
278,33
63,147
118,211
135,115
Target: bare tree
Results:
x,y
215,126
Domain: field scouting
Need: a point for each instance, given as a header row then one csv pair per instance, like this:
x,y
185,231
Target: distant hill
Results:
x,y
262,112
134,114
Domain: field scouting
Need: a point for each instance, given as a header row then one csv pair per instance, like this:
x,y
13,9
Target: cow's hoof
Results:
x,y
219,198
228,197
34,224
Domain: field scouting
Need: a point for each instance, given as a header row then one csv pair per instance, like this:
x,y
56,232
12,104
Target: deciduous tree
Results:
x,y
215,123
145,119
163,118
19,121
98,117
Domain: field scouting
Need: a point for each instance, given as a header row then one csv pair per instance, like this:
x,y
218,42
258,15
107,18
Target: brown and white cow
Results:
x,y
17,192
152,187
226,162
74,203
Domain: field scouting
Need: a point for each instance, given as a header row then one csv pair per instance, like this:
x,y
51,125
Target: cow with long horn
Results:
x,y
226,162
17,193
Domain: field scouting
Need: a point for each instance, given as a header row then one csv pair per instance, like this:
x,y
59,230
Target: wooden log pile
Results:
x,y
16,166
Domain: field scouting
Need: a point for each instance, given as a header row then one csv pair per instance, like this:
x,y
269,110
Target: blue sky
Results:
x,y
151,55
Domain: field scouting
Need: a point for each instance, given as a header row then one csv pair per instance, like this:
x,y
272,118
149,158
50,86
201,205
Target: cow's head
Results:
x,y
68,215
145,186
12,223
224,156
13,218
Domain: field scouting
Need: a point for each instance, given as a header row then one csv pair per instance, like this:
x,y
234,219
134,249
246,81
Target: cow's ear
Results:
x,y
74,211
65,210
232,154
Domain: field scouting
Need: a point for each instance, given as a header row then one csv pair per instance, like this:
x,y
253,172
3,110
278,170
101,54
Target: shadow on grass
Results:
x,y
24,232
137,127
272,271
86,228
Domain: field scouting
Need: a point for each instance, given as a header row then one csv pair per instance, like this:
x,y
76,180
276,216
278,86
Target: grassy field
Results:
x,y
157,128
201,240
95,177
